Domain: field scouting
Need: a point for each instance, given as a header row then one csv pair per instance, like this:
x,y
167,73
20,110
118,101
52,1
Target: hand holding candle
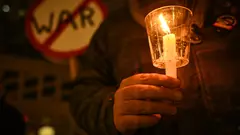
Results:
x,y
168,30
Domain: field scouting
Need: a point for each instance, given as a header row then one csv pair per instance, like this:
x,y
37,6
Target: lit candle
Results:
x,y
169,49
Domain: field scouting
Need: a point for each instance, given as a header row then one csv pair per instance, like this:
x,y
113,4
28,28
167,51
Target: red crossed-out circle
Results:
x,y
45,47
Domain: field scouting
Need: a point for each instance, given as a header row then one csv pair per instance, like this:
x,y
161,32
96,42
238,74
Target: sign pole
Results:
x,y
73,68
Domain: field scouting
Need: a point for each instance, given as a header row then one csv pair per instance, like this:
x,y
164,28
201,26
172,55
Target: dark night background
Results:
x,y
35,86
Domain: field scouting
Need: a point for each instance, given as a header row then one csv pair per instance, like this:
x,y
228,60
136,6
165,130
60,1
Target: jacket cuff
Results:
x,y
109,121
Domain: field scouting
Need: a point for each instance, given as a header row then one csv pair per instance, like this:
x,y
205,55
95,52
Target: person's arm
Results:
x,y
90,104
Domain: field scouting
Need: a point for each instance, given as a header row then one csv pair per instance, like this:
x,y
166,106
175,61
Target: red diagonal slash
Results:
x,y
63,26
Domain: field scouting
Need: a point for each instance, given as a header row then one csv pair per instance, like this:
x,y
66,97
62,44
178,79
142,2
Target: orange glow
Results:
x,y
164,24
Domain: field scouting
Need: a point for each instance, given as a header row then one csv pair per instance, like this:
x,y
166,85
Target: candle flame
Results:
x,y
164,25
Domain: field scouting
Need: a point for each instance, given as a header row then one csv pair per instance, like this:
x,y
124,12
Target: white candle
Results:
x,y
169,49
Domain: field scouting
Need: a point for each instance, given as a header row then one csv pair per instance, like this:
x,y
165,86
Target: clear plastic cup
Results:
x,y
179,20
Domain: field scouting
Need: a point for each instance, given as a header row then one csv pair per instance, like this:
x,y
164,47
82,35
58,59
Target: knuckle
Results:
x,y
119,95
116,97
123,82
124,91
143,77
164,77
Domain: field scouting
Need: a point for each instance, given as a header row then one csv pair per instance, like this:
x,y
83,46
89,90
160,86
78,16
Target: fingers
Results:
x,y
140,101
134,122
143,92
141,107
151,79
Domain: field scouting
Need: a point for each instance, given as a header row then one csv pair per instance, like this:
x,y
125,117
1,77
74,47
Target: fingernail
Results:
x,y
157,116
178,95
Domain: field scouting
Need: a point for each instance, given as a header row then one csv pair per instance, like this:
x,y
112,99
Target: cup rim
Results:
x,y
163,7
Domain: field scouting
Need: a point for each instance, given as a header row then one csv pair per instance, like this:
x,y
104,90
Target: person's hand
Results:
x,y
141,100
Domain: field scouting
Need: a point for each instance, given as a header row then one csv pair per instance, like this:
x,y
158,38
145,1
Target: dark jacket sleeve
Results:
x,y
89,103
